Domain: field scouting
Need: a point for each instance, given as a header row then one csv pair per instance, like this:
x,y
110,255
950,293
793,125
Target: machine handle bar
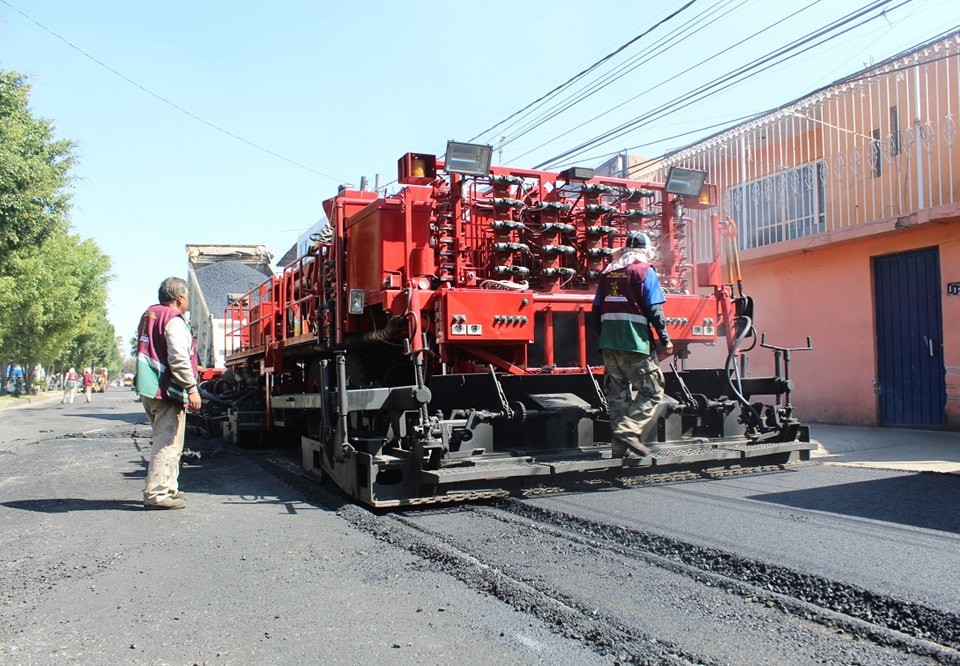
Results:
x,y
763,343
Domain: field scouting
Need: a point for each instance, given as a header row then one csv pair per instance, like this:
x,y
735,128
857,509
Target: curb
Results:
x,y
27,400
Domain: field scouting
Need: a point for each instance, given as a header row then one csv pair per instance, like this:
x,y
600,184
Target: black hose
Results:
x,y
224,399
216,399
747,330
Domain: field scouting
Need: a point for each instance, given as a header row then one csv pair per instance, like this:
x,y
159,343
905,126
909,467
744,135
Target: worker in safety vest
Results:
x,y
69,386
627,305
167,383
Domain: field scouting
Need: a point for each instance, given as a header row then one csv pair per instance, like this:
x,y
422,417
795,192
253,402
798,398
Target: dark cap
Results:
x,y
638,240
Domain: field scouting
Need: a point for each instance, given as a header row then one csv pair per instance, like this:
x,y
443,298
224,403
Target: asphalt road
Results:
x,y
251,572
816,565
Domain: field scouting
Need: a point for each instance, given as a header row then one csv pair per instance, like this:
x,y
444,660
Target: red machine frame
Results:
x,y
456,310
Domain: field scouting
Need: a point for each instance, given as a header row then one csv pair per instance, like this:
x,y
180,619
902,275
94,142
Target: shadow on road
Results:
x,y
68,504
126,417
925,500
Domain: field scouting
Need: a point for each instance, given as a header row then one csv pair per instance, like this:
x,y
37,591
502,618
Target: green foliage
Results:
x,y
95,347
53,284
34,170
57,308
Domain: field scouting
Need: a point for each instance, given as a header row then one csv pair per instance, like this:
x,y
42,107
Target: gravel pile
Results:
x,y
220,279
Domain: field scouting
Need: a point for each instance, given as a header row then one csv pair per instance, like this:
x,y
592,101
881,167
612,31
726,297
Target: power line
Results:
x,y
869,73
726,124
667,80
663,44
583,72
169,103
748,70
652,52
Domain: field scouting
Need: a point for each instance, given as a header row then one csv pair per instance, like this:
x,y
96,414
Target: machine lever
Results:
x,y
763,343
687,396
600,394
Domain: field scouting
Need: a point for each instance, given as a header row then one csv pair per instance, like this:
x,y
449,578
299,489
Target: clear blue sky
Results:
x,y
344,89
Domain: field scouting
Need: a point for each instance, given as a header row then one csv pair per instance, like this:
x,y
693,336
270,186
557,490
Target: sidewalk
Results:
x,y
887,448
10,402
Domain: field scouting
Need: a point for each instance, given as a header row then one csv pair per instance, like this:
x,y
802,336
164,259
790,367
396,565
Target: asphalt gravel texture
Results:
x,y
808,566
251,572
219,280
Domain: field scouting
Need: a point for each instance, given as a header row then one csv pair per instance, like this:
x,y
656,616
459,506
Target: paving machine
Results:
x,y
433,344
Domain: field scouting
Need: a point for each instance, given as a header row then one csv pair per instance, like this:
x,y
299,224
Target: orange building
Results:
x,y
847,203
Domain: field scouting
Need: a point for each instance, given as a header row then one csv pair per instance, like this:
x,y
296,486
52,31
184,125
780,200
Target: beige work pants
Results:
x,y
633,384
68,393
169,423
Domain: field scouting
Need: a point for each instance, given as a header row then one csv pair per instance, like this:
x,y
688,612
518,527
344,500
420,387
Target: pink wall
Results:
x,y
826,291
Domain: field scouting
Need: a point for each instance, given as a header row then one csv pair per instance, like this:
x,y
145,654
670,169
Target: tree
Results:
x,y
52,284
34,171
54,301
94,347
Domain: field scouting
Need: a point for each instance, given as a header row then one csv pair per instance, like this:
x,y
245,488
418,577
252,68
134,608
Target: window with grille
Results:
x,y
876,155
780,207
894,130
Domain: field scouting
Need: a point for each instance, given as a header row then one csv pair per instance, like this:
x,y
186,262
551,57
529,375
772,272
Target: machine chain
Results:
x,y
600,394
504,405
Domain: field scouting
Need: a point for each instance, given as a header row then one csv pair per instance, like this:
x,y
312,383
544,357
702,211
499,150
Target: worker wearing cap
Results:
x,y
628,305
87,384
167,383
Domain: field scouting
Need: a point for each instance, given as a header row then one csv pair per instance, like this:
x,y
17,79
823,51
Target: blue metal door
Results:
x,y
911,383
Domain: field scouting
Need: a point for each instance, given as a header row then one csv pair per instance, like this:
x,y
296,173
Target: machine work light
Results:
x,y
357,301
685,182
468,159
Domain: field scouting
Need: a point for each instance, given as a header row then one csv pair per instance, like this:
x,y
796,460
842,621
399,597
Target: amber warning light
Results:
x,y
708,198
417,169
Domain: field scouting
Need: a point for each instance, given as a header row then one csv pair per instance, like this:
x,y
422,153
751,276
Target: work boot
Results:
x,y
179,495
166,503
638,450
631,451
635,446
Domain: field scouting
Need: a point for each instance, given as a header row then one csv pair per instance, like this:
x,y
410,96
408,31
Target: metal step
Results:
x,y
479,469
694,454
770,448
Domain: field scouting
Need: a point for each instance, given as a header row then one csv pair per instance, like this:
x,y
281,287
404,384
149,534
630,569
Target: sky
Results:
x,y
221,122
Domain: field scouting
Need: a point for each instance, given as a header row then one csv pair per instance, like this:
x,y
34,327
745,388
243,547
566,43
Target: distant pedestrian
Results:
x,y
70,386
167,384
88,384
